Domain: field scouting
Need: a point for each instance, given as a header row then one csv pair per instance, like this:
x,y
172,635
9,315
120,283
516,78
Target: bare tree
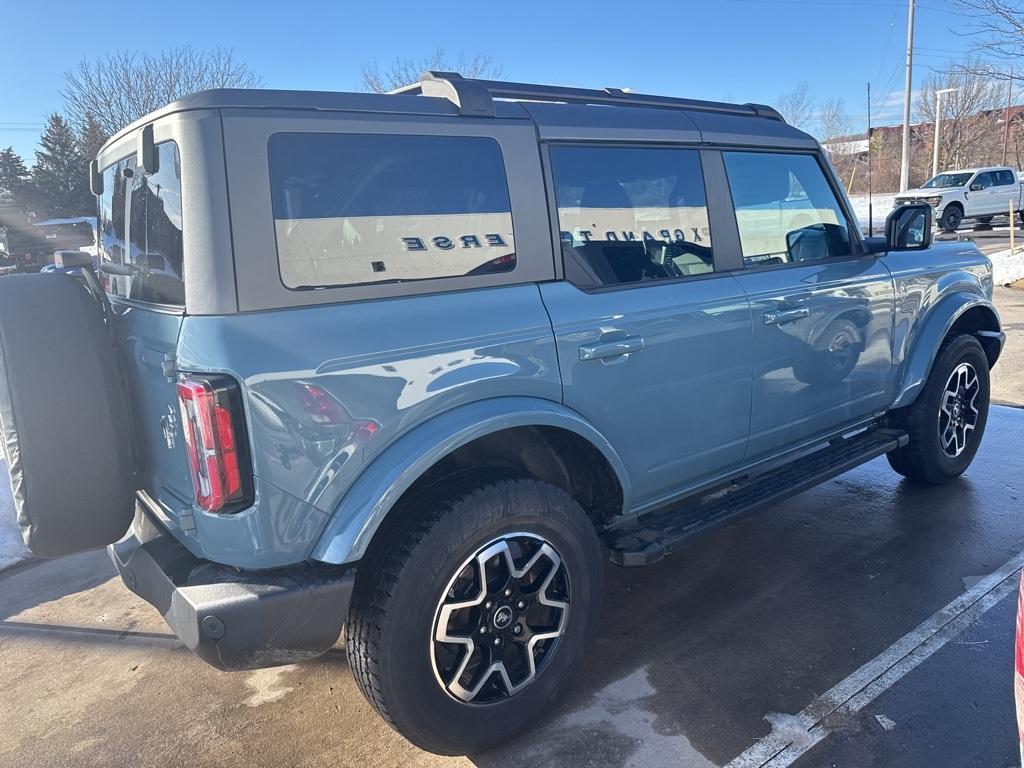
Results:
x,y
833,122
403,71
797,106
122,87
997,30
971,129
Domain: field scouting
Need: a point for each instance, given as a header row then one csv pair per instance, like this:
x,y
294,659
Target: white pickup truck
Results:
x,y
974,193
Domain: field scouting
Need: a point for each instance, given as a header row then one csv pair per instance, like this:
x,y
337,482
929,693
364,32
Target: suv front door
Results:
x,y
821,309
653,343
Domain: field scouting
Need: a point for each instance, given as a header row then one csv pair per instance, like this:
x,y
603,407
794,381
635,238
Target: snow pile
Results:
x,y
1007,267
880,207
12,549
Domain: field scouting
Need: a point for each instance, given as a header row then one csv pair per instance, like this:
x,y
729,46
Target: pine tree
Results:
x,y
14,176
91,137
59,172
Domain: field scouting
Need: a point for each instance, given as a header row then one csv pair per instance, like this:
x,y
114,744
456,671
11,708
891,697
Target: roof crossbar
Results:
x,y
476,97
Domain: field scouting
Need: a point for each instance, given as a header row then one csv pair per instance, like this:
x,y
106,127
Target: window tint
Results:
x,y
629,215
354,208
785,209
140,230
1004,178
986,180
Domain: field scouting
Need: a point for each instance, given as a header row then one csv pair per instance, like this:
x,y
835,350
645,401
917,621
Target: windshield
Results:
x,y
947,180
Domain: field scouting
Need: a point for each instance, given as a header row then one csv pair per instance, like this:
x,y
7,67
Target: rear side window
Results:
x,y
1004,178
786,211
140,238
631,215
352,209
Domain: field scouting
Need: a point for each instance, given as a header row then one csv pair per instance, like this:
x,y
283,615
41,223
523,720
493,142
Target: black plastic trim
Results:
x,y
234,619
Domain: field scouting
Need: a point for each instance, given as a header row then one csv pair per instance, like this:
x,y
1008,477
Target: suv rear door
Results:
x,y
141,251
821,309
653,340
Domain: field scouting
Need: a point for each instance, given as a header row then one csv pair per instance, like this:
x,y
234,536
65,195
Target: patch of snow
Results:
x,y
880,207
1007,266
790,728
12,548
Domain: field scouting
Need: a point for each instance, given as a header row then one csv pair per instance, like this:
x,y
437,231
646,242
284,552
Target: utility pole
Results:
x,y
1006,117
871,223
938,123
905,161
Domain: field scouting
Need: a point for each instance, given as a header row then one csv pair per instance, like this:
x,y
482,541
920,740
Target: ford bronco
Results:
x,y
406,369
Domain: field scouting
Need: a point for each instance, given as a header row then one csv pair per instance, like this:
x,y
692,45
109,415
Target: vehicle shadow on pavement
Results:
x,y
34,583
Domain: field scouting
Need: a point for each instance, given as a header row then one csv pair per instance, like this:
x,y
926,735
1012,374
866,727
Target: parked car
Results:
x,y
23,244
413,365
975,193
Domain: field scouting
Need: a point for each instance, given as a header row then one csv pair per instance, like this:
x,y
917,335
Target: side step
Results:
x,y
648,538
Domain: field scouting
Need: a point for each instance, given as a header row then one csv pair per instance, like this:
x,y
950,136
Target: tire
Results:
x,y
63,415
428,557
926,458
952,217
834,356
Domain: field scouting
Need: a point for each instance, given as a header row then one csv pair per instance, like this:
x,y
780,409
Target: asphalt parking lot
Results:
x,y
866,622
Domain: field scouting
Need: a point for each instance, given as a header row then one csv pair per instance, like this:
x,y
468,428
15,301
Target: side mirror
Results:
x,y
148,157
909,228
977,187
95,178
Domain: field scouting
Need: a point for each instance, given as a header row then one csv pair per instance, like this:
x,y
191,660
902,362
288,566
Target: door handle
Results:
x,y
605,349
785,316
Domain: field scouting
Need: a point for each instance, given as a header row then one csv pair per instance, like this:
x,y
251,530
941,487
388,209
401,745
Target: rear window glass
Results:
x,y
352,209
140,238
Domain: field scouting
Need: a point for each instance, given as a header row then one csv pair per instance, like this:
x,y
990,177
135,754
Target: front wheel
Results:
x,y
469,615
947,420
951,218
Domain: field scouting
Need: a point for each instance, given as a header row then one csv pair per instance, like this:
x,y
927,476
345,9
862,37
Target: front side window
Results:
x,y
984,180
631,215
353,209
140,237
786,211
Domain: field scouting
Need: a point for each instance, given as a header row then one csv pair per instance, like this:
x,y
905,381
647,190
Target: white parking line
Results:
x,y
784,745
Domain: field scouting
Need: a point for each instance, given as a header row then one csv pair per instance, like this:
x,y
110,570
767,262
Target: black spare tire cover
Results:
x,y
64,416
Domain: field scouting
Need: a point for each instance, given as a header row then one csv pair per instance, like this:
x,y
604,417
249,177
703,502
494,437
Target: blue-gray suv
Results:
x,y
408,368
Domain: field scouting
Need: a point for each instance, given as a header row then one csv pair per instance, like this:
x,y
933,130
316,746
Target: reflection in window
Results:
x,y
785,209
631,215
360,208
141,230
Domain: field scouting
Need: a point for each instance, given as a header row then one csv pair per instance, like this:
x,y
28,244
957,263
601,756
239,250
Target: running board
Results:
x,y
648,538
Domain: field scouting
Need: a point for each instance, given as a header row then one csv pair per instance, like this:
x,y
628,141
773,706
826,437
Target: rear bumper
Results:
x,y
234,619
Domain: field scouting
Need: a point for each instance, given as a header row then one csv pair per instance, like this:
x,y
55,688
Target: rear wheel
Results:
x,y
468,616
951,219
947,420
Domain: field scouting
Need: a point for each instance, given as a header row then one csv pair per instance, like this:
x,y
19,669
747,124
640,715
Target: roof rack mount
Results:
x,y
476,97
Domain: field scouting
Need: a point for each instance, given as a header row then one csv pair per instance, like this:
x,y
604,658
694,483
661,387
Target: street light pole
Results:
x,y
905,161
938,122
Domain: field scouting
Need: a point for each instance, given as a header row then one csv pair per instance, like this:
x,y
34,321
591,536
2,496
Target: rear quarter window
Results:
x,y
352,209
140,230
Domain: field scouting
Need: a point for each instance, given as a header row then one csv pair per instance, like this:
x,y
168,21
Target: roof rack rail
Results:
x,y
476,97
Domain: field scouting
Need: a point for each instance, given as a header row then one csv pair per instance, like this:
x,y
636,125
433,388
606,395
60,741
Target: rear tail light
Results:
x,y
214,427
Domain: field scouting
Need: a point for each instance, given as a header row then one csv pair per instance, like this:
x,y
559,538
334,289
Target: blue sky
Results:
x,y
736,50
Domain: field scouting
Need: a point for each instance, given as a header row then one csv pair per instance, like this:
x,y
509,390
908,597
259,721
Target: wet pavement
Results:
x,y
696,656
